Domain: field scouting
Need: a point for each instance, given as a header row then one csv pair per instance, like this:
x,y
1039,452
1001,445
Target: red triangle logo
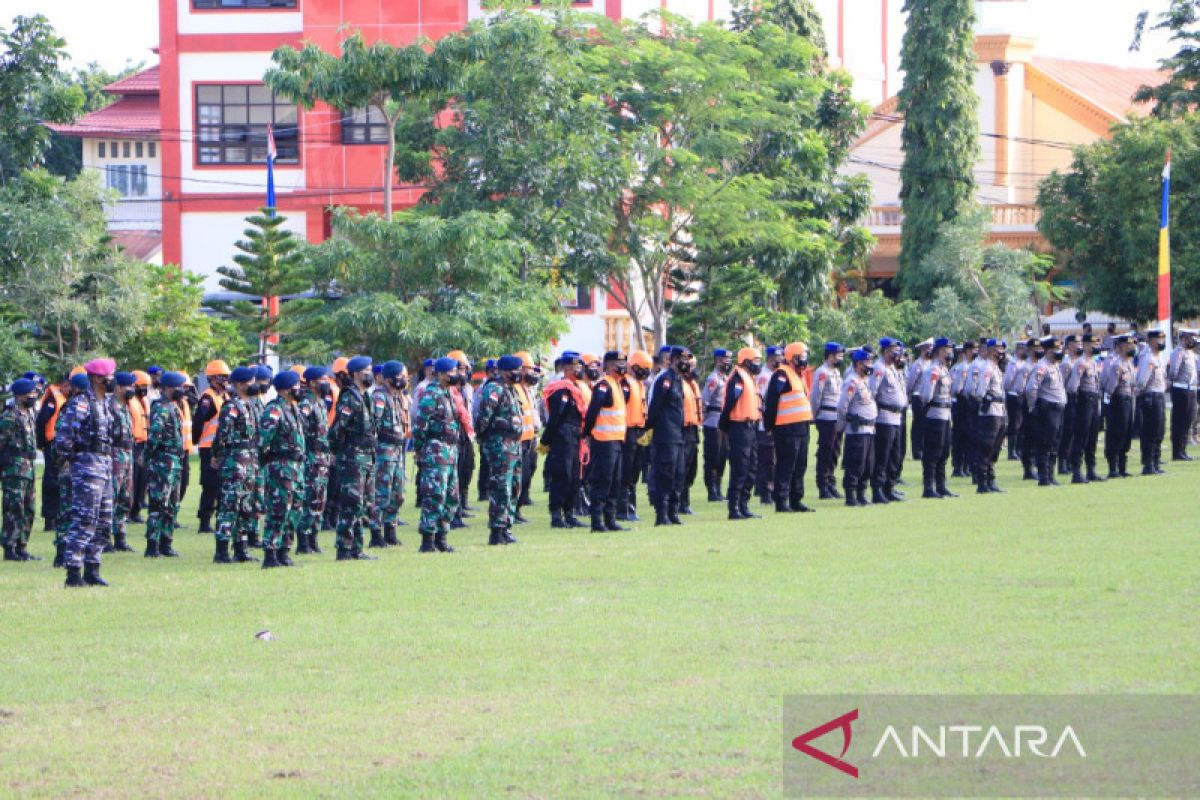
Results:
x,y
801,743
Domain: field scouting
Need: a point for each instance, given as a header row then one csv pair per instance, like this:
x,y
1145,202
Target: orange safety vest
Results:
x,y
610,422
794,406
635,409
137,415
691,404
335,393
747,408
60,400
528,427
185,424
209,434
585,388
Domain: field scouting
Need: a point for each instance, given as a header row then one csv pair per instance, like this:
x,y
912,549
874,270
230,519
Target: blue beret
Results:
x,y
125,379
376,369
241,375
508,362
992,342
80,381
489,364
173,380
445,364
263,373
390,369
665,349
721,352
155,370
569,355
358,364
774,350
315,373
23,386
676,350
861,354
286,380
887,342
942,341
31,376
427,362
834,347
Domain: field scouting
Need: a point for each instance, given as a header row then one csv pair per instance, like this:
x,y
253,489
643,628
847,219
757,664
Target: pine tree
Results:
x,y
941,129
271,264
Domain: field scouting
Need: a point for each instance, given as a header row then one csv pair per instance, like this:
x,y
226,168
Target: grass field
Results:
x,y
652,662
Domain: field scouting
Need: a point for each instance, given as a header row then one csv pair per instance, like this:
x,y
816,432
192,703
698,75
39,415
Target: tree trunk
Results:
x,y
389,163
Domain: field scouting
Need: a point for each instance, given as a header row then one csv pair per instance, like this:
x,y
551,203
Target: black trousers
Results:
x,y
791,462
1087,430
960,435
633,458
466,469
887,456
716,453
743,461
668,473
691,462
1154,417
1066,437
1029,438
605,476
902,444
858,462
988,441
918,429
828,447
1118,423
1183,414
1049,428
765,476
1015,405
49,486
210,485
935,450
185,475
528,469
562,469
138,501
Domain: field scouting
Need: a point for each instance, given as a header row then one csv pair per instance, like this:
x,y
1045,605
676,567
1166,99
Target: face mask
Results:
x,y
641,373
593,373
685,367
754,369
128,394
298,393
110,384
141,391
800,363
1003,360
1057,355
1189,345
723,367
28,402
400,383
252,389
324,389
531,380
622,369
178,394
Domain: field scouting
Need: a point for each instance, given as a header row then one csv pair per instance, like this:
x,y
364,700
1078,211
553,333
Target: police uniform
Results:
x,y
1014,403
716,449
204,433
857,415
605,423
912,380
353,440
565,409
122,460
788,417
1151,394
960,414
826,391
1118,386
632,453
1084,384
391,411
54,400
764,474
164,454
891,400
741,413
1066,436
235,450
317,459
665,418
1182,375
1046,399
990,420
934,391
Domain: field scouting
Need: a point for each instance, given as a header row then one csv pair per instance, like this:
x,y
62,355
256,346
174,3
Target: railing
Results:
x,y
134,214
1003,215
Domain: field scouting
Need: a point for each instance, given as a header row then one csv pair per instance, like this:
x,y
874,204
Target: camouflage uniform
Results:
x,y
435,436
84,439
164,463
236,450
499,426
122,465
62,463
281,452
315,422
352,437
18,448
391,424
257,406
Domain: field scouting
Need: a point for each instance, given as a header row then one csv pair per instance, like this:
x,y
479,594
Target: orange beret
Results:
x,y
748,354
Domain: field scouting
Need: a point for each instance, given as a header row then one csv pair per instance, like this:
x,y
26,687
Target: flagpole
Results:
x,y
270,304
1164,254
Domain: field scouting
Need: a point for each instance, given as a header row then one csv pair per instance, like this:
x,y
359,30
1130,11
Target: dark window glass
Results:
x,y
153,146
364,126
125,149
243,3
100,150
231,125
138,149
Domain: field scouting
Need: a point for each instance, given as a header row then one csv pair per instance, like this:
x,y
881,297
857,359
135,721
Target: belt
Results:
x,y
1187,387
891,409
938,405
828,408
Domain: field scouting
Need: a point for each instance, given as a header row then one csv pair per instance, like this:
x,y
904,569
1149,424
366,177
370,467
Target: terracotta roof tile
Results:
x,y
1108,87
138,244
137,116
144,82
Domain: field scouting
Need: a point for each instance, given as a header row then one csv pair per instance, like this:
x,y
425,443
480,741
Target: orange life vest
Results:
x,y
335,393
747,408
528,426
60,400
137,415
585,388
209,433
691,404
794,406
610,422
185,424
635,409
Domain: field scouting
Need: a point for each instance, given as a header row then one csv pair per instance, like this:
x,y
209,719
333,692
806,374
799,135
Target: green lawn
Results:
x,y
652,662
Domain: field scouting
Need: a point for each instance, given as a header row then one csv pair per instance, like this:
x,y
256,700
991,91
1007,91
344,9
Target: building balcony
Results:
x,y
1006,218
134,215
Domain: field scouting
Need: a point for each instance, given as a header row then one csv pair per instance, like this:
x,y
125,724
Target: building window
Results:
x,y
232,124
206,4
576,298
125,149
153,148
100,150
114,150
137,149
364,126
129,180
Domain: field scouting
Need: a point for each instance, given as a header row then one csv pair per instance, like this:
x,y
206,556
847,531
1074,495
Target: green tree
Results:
x,y
1102,217
863,317
1180,93
270,264
795,16
940,136
29,92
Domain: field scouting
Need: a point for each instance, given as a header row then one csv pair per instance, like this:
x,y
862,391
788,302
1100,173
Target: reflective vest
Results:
x,y
691,404
137,416
747,408
635,408
209,434
185,424
794,406
610,422
528,426
586,389
334,394
60,400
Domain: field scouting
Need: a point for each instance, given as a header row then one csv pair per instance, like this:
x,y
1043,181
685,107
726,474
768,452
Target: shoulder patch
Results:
x,y
666,383
233,412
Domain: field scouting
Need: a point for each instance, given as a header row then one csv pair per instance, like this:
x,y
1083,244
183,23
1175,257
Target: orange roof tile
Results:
x,y
144,82
138,244
132,117
1108,87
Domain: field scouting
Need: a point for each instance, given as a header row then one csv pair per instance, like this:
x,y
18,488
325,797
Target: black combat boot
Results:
x,y
108,545
518,517
1093,476
735,511
439,541
660,514
313,547
556,519
893,494
222,554
861,495
495,537
685,504
252,540
1124,461
1077,475
1158,467
833,490
632,505
426,544
714,494
91,575
598,522
10,553
119,543
270,560
376,539
983,487
74,578
746,512
878,497
851,495
673,512
940,484
796,504
357,554
240,556
507,537
205,524
165,549
23,552
284,559
389,536
60,556
302,548
571,522
823,492
610,522
781,506
151,549
344,554
930,493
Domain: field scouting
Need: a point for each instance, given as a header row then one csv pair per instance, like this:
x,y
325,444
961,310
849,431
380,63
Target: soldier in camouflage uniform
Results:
x,y
499,426
352,437
258,404
435,437
164,457
314,418
235,453
18,449
281,453
390,406
122,458
84,437
61,463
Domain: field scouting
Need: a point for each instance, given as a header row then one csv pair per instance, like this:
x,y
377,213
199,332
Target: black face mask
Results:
x,y
128,394
178,394
641,373
109,384
298,393
723,367
592,373
142,391
324,389
1002,360
1057,355
531,380
684,368
28,402
622,369
400,383
754,369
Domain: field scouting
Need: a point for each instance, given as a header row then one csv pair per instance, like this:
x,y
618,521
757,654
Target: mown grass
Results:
x,y
652,662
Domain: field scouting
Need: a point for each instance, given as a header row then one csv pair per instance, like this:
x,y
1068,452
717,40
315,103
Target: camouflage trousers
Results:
x,y
437,486
284,481
356,490
316,483
503,459
122,481
62,522
236,515
389,485
18,509
91,508
162,493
